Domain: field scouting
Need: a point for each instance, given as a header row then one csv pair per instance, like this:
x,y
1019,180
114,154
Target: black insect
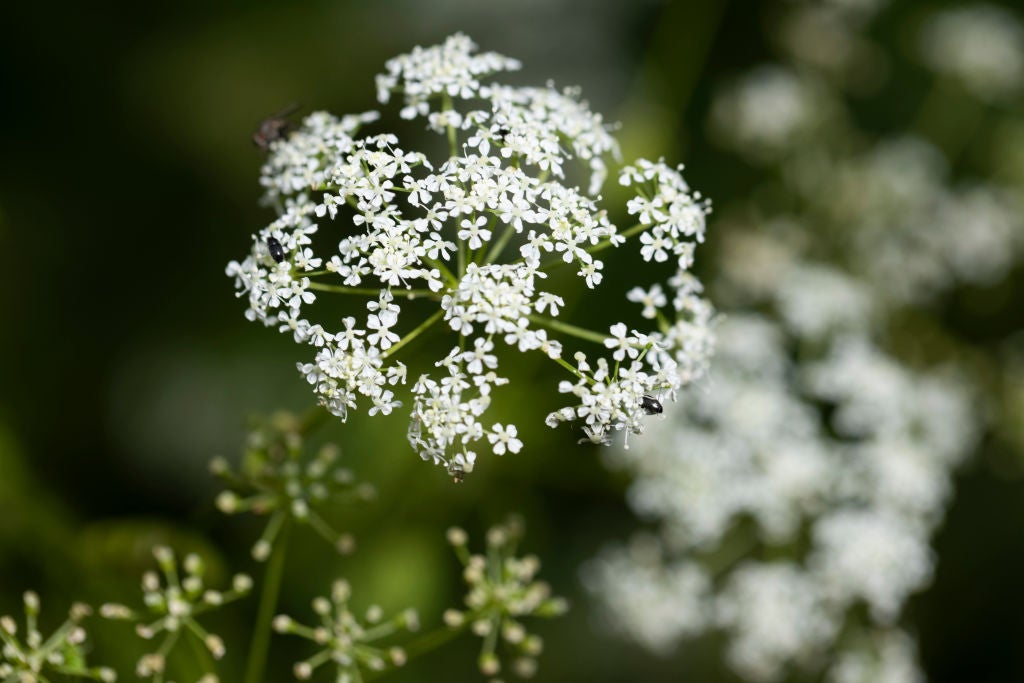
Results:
x,y
457,473
501,133
274,127
275,248
651,405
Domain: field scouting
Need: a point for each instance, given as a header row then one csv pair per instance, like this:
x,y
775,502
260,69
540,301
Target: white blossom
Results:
x,y
475,232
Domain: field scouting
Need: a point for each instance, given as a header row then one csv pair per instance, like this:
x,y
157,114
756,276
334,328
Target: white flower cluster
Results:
x,y
767,111
980,45
911,235
476,233
757,448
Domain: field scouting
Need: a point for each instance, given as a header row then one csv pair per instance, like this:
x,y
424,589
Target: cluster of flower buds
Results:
x,y
172,607
35,659
273,480
502,591
347,641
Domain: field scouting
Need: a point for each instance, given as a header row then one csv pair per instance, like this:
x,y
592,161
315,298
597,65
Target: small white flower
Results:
x,y
504,438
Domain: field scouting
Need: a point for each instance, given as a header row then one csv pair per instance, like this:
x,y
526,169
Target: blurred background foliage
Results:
x,y
128,179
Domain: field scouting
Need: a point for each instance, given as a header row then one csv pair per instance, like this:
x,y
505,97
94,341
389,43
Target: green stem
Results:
x,y
423,327
500,244
573,330
453,145
568,366
431,641
202,655
268,605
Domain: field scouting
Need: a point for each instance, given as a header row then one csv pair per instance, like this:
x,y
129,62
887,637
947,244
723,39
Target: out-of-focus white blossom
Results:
x,y
980,45
871,556
906,232
849,515
776,615
475,233
814,301
654,603
888,656
767,112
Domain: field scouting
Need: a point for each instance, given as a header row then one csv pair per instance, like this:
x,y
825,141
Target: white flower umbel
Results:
x,y
30,658
843,501
175,603
473,235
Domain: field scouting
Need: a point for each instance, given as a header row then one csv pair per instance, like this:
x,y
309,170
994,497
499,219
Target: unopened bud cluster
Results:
x,y
347,641
275,480
172,603
502,591
30,658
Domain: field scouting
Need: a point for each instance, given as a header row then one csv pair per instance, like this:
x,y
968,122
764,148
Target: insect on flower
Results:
x,y
274,127
458,474
651,405
276,250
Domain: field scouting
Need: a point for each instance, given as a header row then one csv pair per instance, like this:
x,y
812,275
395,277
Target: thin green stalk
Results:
x,y
453,145
499,245
580,332
423,327
203,658
268,605
432,641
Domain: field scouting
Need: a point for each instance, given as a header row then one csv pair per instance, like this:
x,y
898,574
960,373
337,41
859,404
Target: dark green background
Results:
x,y
128,180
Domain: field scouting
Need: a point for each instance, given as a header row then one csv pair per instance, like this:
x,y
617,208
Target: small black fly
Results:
x,y
457,473
651,405
275,248
274,127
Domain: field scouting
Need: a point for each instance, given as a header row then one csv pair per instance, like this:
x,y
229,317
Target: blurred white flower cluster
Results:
x,y
910,232
474,235
767,111
840,511
790,508
980,46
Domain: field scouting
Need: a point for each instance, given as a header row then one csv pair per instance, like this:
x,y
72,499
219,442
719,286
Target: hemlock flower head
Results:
x,y
173,606
273,480
502,591
345,640
31,658
466,242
